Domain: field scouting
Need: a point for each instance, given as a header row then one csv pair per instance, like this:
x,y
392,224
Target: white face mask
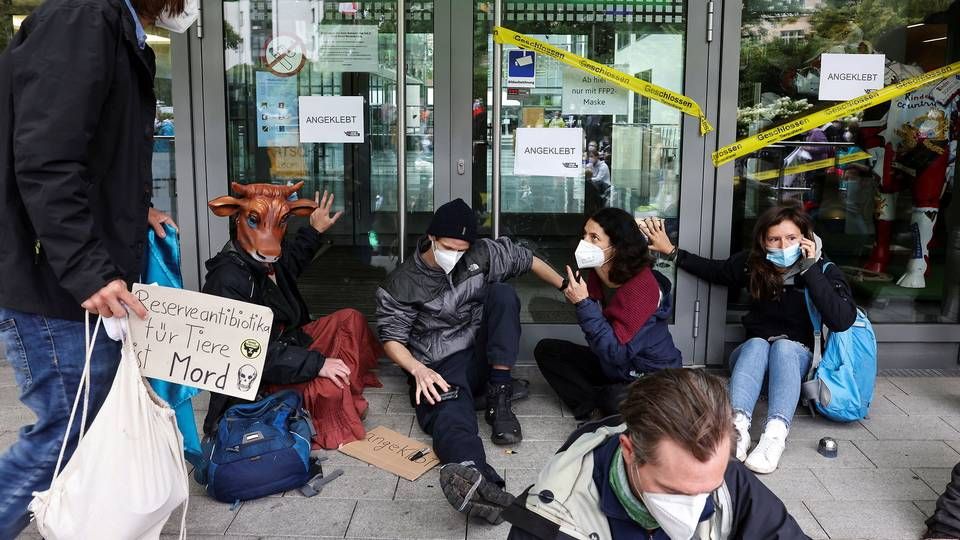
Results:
x,y
677,515
180,23
447,259
589,255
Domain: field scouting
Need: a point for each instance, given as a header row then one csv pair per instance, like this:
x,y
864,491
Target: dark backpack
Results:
x,y
259,449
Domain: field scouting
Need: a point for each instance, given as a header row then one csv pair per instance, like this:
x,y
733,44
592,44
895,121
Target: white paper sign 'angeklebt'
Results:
x,y
848,76
201,340
549,152
331,119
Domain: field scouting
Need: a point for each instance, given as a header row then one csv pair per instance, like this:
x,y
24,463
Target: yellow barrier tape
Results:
x,y
807,167
819,118
624,80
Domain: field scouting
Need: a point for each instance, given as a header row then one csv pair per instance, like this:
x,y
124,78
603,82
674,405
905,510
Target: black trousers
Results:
x,y
946,518
453,423
574,372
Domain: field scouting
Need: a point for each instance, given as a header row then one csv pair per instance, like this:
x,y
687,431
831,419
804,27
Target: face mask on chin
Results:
x,y
784,258
180,23
590,255
446,258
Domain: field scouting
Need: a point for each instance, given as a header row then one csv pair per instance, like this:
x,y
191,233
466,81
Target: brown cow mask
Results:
x,y
262,211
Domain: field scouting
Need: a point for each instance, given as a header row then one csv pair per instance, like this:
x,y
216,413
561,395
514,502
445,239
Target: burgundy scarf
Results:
x,y
631,306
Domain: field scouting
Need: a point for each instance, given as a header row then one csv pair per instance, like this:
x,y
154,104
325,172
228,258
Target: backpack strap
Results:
x,y
518,515
810,389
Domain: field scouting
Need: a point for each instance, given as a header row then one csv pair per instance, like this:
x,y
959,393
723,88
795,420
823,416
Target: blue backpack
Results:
x,y
839,384
260,449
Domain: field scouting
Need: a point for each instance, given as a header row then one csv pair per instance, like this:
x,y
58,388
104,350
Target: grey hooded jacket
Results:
x,y
435,314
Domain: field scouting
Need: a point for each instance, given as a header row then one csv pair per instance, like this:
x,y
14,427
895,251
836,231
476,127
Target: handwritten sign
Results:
x,y
392,451
201,340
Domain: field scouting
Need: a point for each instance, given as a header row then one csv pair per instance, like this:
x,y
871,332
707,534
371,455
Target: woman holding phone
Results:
x,y
784,260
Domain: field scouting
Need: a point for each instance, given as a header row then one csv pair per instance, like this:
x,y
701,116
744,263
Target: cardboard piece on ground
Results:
x,y
390,451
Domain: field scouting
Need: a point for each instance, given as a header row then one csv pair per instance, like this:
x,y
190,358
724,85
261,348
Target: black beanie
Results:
x,y
454,220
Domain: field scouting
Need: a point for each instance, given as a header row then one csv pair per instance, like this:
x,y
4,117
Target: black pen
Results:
x,y
419,454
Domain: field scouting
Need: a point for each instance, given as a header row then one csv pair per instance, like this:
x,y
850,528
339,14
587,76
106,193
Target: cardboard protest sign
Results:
x,y
391,451
201,340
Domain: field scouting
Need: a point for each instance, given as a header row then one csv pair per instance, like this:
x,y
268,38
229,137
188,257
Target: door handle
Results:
x,y
461,167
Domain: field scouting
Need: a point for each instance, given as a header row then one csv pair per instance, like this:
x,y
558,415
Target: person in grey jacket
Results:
x,y
446,317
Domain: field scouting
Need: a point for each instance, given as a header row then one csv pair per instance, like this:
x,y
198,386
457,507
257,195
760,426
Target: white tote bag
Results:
x,y
127,474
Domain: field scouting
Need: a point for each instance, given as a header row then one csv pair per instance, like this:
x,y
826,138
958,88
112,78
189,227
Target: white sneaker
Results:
x,y
766,456
742,424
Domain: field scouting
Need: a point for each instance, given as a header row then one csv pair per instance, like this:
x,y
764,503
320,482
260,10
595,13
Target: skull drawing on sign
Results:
x,y
245,377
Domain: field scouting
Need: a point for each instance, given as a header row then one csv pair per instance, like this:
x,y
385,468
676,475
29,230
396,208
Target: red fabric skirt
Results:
x,y
337,412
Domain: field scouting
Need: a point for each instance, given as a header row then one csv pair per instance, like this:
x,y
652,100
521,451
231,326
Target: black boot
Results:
x,y
506,427
469,493
521,390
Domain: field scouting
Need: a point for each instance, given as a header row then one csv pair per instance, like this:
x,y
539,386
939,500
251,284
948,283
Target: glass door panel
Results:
x,y
280,50
635,143
888,220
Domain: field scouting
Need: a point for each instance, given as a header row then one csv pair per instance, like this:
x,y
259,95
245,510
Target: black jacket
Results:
x,y
232,273
76,146
788,314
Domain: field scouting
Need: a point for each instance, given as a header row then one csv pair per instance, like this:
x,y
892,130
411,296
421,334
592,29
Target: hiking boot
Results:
x,y
742,426
506,427
470,494
521,390
766,456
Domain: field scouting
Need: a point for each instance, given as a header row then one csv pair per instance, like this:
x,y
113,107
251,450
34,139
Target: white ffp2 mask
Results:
x,y
589,255
180,23
677,515
446,258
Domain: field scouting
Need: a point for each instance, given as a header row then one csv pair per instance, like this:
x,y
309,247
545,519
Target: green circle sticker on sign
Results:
x,y
283,55
250,348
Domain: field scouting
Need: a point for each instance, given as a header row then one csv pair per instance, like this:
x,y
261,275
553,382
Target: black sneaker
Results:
x,y
521,390
469,493
506,427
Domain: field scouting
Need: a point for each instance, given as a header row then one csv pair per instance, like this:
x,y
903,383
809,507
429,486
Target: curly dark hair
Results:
x,y
766,279
631,252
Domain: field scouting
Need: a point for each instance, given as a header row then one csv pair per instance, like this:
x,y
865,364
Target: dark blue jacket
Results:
x,y
650,349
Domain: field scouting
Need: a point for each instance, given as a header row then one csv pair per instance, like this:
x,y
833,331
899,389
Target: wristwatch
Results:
x,y
563,286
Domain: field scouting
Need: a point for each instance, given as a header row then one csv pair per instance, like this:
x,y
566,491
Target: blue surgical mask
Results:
x,y
784,258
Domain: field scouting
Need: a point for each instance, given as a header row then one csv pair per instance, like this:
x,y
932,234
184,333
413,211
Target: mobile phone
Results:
x,y
452,393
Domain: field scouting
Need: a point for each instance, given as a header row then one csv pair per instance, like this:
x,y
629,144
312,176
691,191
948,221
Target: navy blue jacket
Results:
x,y
650,349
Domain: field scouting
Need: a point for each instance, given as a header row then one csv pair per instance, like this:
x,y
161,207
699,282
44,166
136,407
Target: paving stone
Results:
x,y
392,384
927,386
803,454
530,455
314,517
520,479
201,401
426,488
547,429
204,516
912,427
538,385
399,404
484,531
873,520
874,484
7,438
939,405
807,428
401,423
377,402
357,482
399,519
795,484
887,386
806,520
927,507
884,406
538,405
13,417
906,454
936,478
10,396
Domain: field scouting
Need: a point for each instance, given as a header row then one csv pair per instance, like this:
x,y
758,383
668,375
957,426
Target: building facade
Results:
x,y
231,109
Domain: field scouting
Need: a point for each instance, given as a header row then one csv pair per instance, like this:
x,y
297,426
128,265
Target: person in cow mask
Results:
x,y
446,317
328,360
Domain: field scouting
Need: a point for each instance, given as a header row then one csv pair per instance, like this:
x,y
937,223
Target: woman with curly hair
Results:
x,y
784,260
623,308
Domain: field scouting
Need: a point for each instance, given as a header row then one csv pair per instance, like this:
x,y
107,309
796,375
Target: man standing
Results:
x,y
662,471
446,317
76,144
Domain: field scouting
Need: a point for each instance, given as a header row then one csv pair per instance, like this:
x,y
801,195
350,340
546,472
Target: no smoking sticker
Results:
x,y
283,55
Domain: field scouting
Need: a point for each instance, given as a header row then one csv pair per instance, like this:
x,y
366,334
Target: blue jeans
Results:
x,y
47,357
784,360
